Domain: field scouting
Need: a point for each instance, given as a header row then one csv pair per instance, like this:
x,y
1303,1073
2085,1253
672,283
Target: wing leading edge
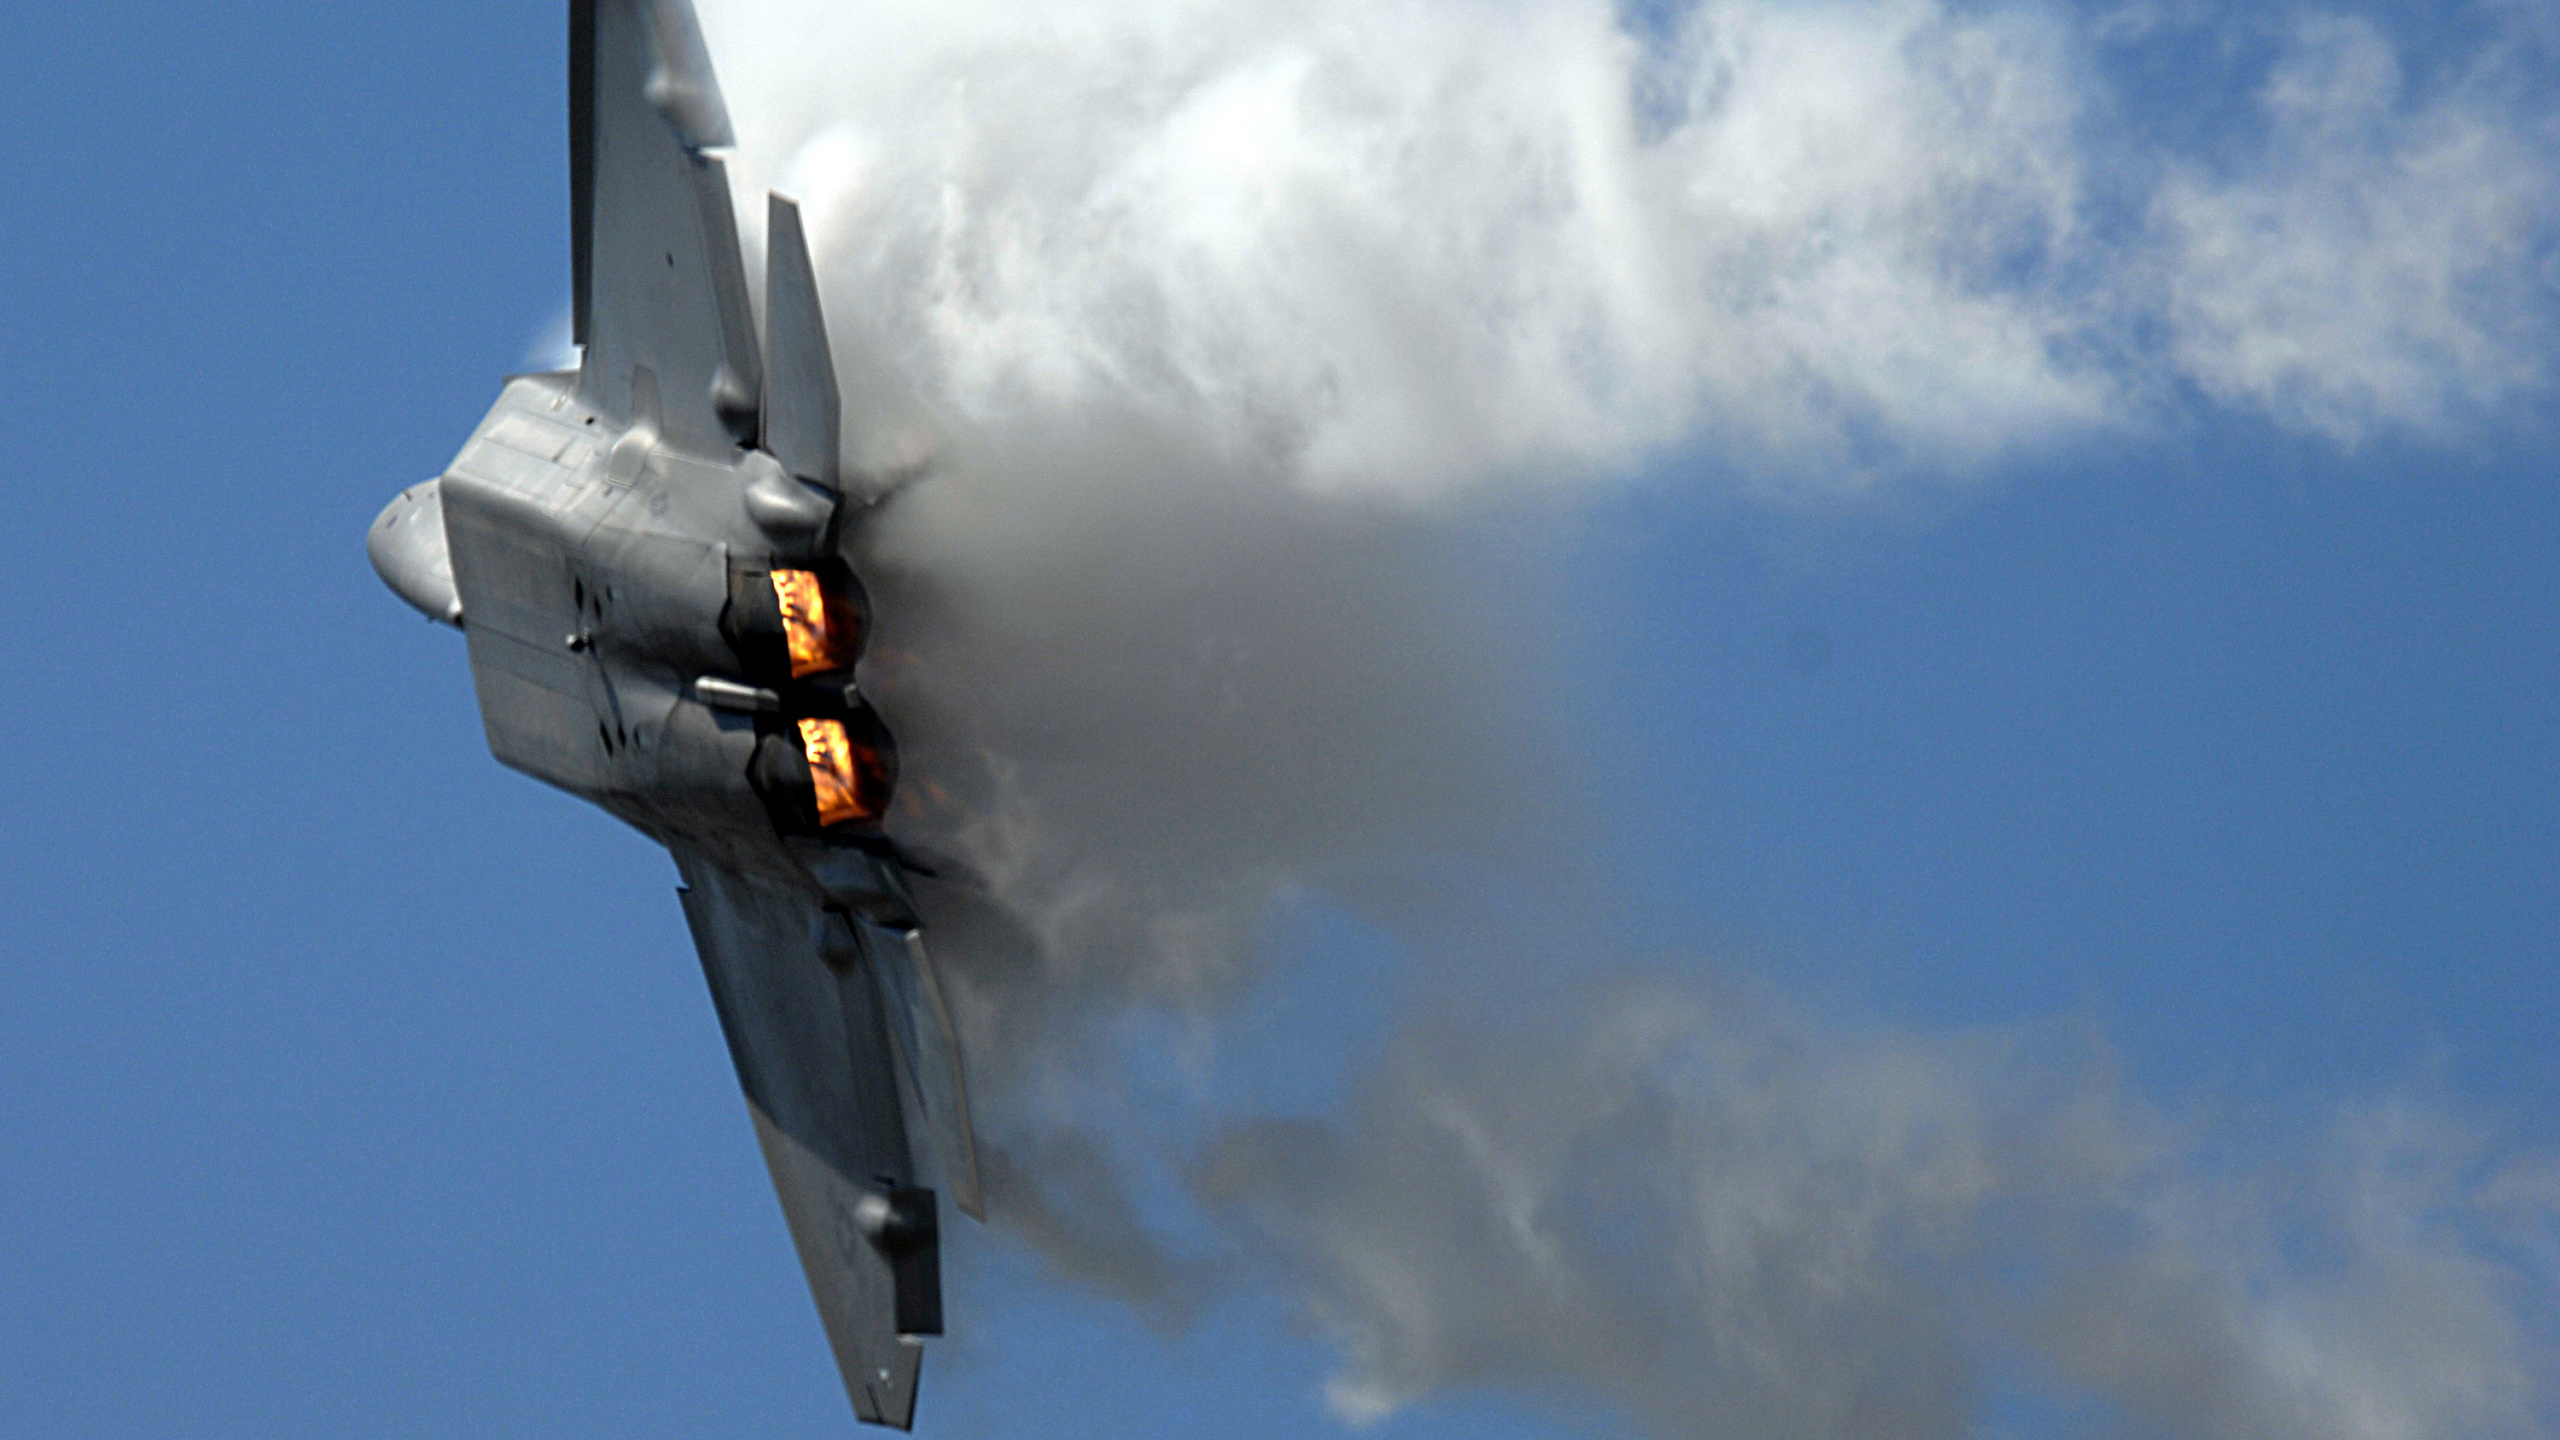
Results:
x,y
808,1001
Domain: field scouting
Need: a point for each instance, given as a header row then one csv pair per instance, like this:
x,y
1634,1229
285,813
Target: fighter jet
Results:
x,y
645,557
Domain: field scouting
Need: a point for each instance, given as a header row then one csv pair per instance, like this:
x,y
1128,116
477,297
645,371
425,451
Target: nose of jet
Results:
x,y
408,551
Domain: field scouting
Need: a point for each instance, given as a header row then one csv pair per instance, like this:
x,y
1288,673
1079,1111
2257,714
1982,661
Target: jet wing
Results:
x,y
660,290
806,999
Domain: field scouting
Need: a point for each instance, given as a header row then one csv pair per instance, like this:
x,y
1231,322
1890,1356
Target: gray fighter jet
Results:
x,y
645,556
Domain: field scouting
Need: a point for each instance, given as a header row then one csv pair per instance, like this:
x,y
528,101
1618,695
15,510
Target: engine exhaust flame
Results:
x,y
821,634
850,778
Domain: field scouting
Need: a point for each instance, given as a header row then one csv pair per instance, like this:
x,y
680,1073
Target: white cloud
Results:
x,y
1407,246
2385,261
553,347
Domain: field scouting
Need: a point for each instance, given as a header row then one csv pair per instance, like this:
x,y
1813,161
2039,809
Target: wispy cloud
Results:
x,y
2386,260
1725,1219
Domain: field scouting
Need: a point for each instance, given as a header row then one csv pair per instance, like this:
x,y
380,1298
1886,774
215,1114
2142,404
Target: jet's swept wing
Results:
x,y
660,287
808,1017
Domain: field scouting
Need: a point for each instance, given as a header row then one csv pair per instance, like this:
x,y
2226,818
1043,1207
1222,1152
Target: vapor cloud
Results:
x,y
1193,341
1727,1220
1418,245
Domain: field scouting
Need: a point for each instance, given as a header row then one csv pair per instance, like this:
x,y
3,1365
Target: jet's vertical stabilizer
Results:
x,y
801,408
659,281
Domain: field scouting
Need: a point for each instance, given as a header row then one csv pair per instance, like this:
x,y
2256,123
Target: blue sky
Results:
x,y
2189,715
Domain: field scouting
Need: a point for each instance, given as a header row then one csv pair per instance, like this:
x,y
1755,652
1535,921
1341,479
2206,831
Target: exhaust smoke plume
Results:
x,y
1193,343
1727,1220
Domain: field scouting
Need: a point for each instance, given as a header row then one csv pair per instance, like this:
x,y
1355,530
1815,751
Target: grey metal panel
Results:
x,y
532,727
510,579
847,1279
582,163
801,407
801,1007
551,486
554,441
552,666
930,1047
502,506
537,447
662,280
802,1013
682,86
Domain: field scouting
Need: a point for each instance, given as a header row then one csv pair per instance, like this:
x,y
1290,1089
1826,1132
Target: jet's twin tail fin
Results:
x,y
801,408
659,284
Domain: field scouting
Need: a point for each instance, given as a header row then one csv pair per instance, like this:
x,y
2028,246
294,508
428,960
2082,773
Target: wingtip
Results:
x,y
887,1395
681,82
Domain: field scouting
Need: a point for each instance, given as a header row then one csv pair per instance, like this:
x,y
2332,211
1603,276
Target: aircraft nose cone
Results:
x,y
406,545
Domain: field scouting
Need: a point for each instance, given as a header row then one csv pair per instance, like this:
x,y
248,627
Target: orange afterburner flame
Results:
x,y
836,772
822,632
